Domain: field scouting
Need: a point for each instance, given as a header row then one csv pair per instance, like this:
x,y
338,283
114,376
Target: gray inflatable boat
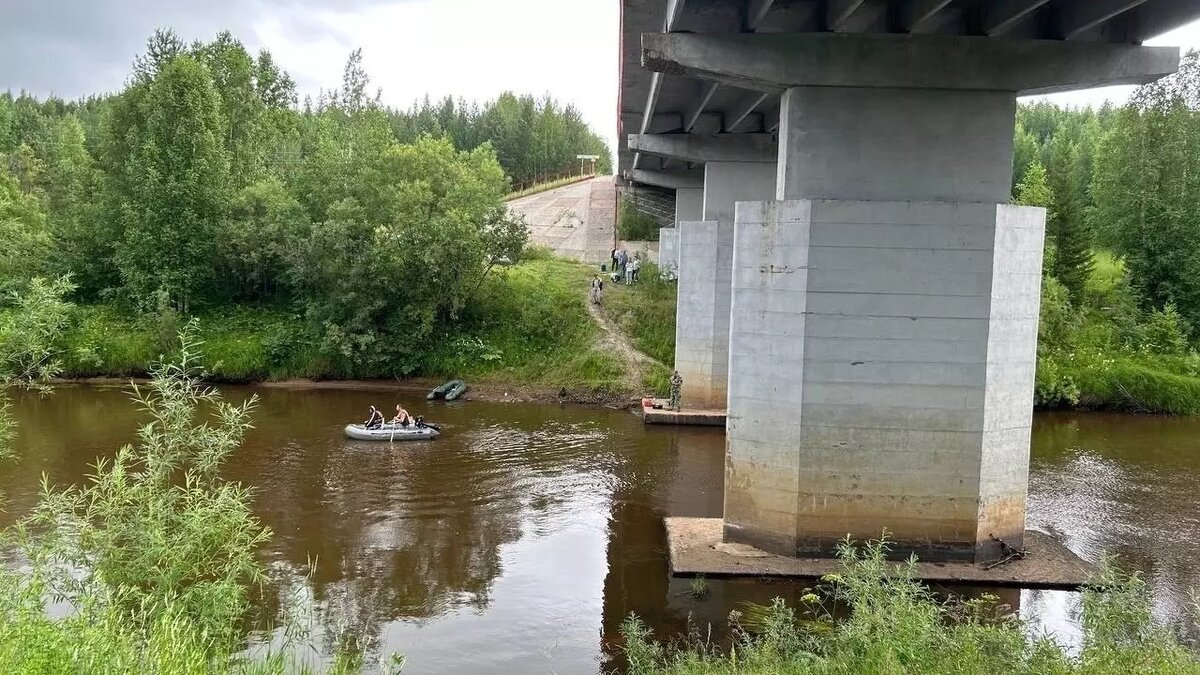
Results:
x,y
391,432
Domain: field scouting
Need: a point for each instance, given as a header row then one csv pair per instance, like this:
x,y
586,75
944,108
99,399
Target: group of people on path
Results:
x,y
375,420
624,267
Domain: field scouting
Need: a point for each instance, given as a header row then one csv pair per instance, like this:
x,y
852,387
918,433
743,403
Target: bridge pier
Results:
x,y
884,305
705,267
689,206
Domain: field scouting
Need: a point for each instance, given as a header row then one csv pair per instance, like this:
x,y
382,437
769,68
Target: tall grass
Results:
x,y
646,312
894,625
1128,384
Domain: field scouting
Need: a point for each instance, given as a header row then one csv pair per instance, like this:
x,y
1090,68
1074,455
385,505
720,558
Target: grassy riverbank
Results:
x,y
526,326
888,623
645,312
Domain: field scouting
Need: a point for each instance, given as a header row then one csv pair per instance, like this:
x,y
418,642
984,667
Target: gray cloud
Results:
x,y
74,48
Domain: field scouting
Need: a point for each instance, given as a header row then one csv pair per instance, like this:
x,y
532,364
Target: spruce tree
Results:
x,y
1066,226
1034,190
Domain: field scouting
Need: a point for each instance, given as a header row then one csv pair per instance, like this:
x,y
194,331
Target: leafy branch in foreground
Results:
x,y
156,532
28,332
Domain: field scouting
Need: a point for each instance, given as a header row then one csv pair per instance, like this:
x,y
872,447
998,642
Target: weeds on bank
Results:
x,y
154,557
888,623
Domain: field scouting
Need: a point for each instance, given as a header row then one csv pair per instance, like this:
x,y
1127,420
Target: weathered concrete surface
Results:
x,y
683,416
696,548
689,204
577,221
702,148
668,252
668,179
895,144
881,374
772,62
705,265
647,249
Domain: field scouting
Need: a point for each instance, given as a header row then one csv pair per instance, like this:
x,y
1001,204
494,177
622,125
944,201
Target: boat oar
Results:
x,y
393,437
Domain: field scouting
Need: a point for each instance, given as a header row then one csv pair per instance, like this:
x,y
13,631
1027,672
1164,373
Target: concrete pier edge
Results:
x,y
695,548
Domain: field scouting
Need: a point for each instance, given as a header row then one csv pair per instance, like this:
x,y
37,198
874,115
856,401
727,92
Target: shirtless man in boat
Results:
x,y
402,417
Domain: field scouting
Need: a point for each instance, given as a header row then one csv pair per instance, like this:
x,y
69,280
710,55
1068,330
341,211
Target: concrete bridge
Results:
x,y
854,286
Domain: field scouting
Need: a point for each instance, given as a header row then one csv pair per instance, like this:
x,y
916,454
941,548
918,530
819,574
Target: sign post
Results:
x,y
583,158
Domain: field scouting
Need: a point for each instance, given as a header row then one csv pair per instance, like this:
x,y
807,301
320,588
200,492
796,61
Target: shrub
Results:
x,y
893,624
633,225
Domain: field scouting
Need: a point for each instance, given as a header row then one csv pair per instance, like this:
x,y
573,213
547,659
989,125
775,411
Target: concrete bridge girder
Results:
x,y
704,148
686,179
773,62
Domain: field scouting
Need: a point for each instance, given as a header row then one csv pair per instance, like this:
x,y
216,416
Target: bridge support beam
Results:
x,y
884,305
689,207
705,265
689,204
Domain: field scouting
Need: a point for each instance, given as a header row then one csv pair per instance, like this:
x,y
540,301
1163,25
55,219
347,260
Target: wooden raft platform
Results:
x,y
684,416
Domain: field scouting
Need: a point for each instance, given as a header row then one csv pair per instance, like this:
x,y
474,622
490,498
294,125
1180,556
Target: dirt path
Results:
x,y
614,341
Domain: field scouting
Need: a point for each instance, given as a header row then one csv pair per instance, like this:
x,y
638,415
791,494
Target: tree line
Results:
x,y
205,183
1121,186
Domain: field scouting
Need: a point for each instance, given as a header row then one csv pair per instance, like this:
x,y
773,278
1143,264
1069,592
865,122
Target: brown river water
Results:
x,y
519,540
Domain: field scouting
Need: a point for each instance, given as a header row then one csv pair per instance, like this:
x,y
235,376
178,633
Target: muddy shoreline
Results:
x,y
491,392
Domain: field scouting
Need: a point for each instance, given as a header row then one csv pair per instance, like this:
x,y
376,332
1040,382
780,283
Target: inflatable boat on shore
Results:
x,y
449,391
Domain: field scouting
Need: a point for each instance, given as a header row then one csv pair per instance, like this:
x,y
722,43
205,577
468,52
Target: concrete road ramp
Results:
x,y
577,221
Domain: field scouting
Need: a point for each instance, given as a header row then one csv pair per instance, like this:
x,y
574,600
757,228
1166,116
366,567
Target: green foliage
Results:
x,y
178,193
30,329
532,137
8,430
155,553
200,187
391,264
633,224
25,240
158,526
1164,332
1147,190
1066,227
895,625
1033,190
1135,385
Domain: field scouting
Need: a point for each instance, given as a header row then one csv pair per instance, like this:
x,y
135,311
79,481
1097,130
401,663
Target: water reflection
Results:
x,y
520,539
1124,486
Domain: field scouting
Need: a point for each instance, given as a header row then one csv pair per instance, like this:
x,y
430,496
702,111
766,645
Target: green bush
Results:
x,y
895,625
633,225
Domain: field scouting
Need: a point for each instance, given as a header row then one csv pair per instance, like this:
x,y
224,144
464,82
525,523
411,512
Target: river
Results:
x,y
520,539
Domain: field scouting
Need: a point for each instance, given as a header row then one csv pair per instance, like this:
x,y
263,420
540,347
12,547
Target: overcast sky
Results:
x,y
471,48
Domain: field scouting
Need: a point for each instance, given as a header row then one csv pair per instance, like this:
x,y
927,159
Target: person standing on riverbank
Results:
x,y
597,289
676,388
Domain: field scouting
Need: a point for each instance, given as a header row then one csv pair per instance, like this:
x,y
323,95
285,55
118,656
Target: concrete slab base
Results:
x,y
683,416
696,548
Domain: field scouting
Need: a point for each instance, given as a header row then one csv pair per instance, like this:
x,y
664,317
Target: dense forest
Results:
x,y
1121,289
362,233
341,238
